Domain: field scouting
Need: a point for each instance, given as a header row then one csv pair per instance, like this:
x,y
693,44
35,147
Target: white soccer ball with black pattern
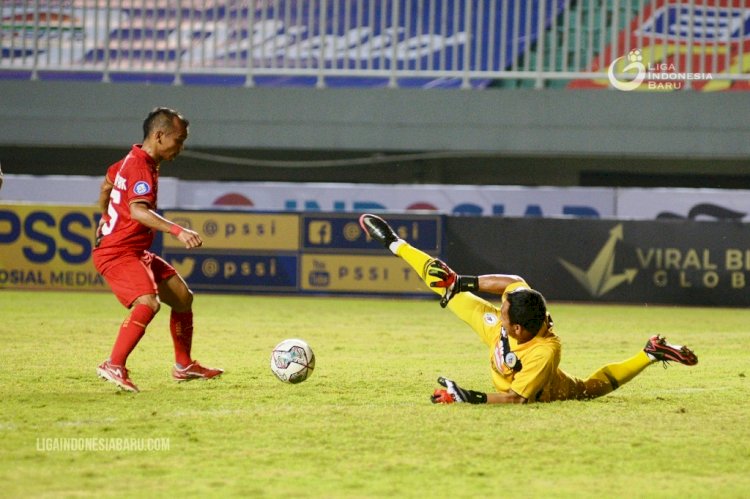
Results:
x,y
292,361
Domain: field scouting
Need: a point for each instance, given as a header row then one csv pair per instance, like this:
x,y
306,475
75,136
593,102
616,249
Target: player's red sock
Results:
x,y
181,327
131,332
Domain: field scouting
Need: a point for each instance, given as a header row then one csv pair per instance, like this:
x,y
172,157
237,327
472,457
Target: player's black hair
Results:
x,y
528,308
161,117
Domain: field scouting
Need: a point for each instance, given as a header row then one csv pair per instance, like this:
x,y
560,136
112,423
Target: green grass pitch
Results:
x,y
362,426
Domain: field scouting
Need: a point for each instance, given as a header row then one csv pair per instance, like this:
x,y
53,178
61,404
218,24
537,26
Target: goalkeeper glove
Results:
x,y
448,279
454,393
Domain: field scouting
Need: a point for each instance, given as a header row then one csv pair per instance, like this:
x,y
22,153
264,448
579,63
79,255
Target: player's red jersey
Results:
x,y
135,178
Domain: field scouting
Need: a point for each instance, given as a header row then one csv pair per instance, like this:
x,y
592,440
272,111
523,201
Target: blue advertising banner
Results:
x,y
48,247
214,270
316,253
685,262
338,257
342,233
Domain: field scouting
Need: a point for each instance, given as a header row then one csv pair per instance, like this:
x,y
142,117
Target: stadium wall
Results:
x,y
683,262
525,137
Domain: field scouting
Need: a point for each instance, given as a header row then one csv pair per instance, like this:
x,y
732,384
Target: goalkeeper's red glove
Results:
x,y
441,396
454,393
448,279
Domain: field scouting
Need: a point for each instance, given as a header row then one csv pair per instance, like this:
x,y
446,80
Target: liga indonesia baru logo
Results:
x,y
657,77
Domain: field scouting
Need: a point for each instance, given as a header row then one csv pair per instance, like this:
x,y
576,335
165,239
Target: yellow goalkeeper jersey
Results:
x,y
540,378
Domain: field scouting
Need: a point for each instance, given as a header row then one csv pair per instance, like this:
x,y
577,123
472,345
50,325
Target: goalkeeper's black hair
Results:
x,y
161,118
527,308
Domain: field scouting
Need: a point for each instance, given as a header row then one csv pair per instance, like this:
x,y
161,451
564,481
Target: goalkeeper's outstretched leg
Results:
x,y
379,230
435,273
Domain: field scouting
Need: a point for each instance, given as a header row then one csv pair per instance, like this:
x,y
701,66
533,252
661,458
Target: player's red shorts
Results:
x,y
131,275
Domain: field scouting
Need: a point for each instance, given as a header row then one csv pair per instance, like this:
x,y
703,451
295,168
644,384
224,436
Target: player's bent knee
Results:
x,y
188,301
151,301
185,300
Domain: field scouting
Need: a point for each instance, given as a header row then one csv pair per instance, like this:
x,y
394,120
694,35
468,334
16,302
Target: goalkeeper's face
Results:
x,y
525,312
515,331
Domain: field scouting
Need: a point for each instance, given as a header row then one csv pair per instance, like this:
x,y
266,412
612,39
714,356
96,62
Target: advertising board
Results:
x,y
48,247
674,261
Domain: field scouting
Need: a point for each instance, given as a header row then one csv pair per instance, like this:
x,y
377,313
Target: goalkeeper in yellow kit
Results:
x,y
523,349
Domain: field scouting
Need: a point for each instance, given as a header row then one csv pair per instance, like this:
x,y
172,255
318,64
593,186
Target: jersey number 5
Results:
x,y
114,198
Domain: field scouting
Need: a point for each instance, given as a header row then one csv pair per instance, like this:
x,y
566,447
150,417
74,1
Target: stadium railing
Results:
x,y
693,44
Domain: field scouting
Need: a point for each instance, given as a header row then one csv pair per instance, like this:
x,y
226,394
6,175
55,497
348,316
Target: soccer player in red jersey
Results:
x,y
140,279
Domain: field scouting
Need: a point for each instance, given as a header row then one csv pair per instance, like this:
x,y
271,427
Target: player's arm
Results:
x,y
509,397
454,393
143,214
496,283
104,192
454,283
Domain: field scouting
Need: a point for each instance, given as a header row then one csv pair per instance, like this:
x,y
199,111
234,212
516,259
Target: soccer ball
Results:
x,y
292,361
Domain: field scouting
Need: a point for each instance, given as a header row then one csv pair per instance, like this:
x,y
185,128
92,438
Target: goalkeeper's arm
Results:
x,y
509,397
454,393
454,283
496,283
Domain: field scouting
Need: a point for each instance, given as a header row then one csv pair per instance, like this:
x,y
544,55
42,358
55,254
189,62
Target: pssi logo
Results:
x,y
44,234
600,277
142,188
